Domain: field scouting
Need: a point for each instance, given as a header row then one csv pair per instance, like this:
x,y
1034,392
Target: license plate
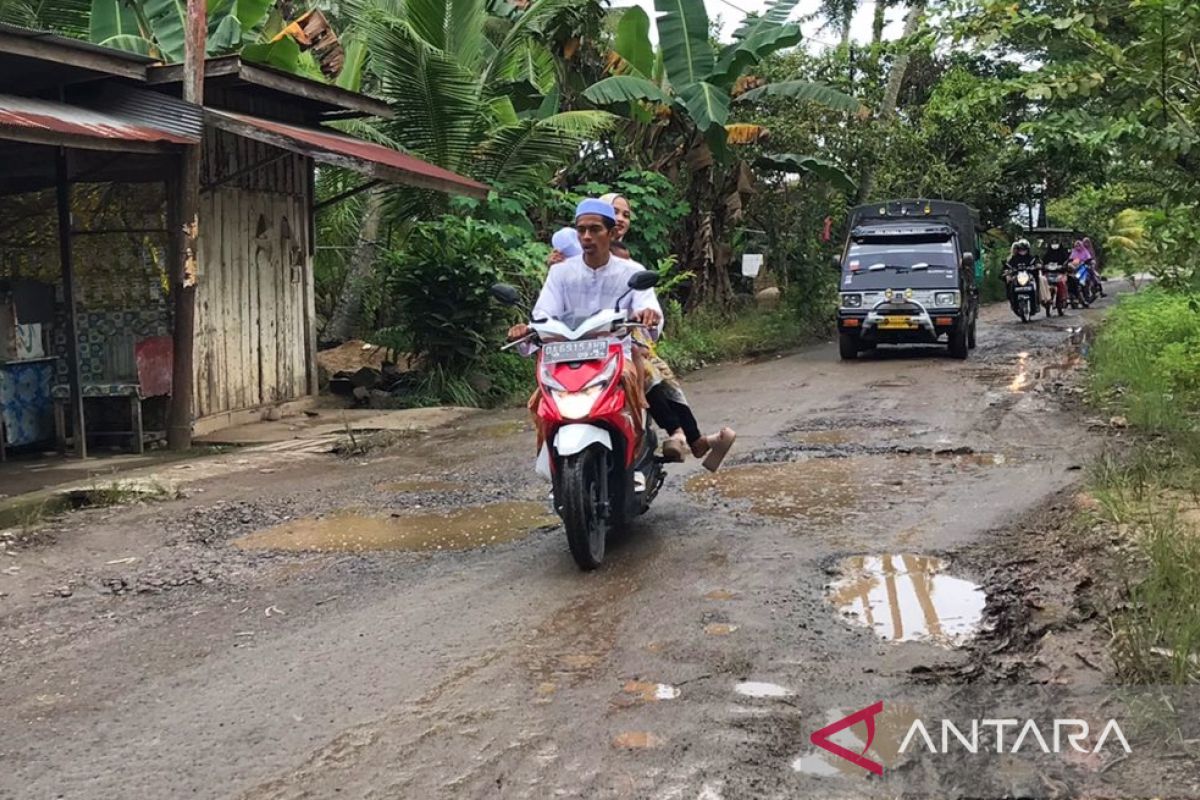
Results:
x,y
897,323
583,350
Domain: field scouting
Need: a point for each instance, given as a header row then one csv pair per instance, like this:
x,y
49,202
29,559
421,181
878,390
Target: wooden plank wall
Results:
x,y
253,295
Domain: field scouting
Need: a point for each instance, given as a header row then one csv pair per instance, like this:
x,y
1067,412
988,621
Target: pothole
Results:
x,y
883,738
637,740
761,689
812,488
648,692
349,531
905,598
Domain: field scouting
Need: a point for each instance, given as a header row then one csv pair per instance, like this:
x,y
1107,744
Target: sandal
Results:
x,y
674,449
718,447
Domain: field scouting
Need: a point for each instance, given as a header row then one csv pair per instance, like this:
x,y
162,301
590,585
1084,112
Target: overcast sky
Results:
x,y
730,12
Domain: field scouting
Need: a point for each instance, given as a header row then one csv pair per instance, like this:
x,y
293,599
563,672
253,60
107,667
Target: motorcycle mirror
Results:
x,y
505,294
641,281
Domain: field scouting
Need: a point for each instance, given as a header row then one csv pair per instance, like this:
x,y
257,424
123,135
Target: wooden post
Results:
x,y
187,201
63,192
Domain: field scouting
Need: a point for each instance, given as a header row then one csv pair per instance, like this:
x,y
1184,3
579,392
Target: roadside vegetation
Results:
x,y
727,139
1145,367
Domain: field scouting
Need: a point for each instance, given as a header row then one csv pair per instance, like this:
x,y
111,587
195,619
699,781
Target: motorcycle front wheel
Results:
x,y
580,482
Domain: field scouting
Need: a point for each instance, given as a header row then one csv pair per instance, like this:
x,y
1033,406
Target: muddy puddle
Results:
x,y
905,598
813,488
761,689
880,743
349,531
648,692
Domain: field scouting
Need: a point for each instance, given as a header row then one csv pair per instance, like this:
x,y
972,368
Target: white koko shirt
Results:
x,y
573,288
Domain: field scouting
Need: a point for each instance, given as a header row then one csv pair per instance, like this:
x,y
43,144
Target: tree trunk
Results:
x,y
877,25
891,94
349,305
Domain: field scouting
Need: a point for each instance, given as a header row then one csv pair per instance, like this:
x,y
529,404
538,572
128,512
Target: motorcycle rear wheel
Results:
x,y
580,503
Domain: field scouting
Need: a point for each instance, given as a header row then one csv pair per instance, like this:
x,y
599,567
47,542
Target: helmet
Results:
x,y
1021,244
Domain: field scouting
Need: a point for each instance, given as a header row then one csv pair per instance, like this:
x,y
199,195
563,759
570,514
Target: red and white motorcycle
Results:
x,y
604,467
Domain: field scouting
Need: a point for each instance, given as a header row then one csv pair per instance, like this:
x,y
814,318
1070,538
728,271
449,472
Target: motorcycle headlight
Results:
x,y
1022,278
576,405
852,301
945,299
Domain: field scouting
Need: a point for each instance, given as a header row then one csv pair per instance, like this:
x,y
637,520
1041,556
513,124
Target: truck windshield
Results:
x,y
874,256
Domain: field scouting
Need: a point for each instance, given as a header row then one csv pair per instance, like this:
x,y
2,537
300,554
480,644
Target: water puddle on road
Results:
x,y
637,740
880,744
462,529
761,689
813,488
1021,380
1061,368
905,598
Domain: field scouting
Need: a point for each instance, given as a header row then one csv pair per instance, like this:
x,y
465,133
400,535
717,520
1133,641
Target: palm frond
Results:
x,y
452,26
527,153
437,100
64,17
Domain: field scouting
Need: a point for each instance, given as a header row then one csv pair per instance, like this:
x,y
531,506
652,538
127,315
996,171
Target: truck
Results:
x,y
909,274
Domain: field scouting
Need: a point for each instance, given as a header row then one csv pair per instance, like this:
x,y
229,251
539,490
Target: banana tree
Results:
x,y
156,27
680,100
255,29
473,92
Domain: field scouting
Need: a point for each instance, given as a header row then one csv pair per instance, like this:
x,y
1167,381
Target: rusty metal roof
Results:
x,y
47,122
326,147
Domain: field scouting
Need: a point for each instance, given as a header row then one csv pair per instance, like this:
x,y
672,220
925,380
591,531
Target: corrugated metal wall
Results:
x,y
253,297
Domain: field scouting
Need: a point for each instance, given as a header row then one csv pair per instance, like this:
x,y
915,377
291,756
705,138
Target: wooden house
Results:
x,y
90,144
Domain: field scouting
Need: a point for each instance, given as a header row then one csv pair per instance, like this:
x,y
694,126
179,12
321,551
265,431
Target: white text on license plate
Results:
x,y
586,350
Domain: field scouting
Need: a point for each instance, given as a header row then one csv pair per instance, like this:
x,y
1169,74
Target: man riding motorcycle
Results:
x,y
593,280
1021,257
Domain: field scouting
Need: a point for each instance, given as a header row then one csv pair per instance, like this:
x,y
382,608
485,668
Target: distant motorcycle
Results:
x,y
1024,288
1077,273
1089,283
1056,276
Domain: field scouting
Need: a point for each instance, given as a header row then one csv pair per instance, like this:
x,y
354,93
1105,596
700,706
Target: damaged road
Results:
x,y
410,623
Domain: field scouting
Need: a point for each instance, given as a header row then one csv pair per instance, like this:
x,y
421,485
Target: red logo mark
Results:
x,y
821,738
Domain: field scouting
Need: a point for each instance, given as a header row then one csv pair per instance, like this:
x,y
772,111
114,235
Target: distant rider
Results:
x,y
1054,260
1020,257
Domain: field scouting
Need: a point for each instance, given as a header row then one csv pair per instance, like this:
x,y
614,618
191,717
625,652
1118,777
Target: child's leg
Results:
x,y
665,415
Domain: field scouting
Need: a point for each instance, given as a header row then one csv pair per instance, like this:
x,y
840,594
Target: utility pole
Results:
x,y
186,233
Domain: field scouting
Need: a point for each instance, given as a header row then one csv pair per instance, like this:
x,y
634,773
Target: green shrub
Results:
x,y
1147,359
440,308
703,337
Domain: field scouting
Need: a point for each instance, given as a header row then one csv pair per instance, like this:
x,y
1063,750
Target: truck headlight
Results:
x,y
852,301
945,299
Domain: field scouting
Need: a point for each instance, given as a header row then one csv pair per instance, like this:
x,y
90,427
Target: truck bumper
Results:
x,y
911,325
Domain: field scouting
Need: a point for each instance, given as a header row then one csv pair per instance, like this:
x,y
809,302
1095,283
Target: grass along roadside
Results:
x,y
1145,366
23,515
691,341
